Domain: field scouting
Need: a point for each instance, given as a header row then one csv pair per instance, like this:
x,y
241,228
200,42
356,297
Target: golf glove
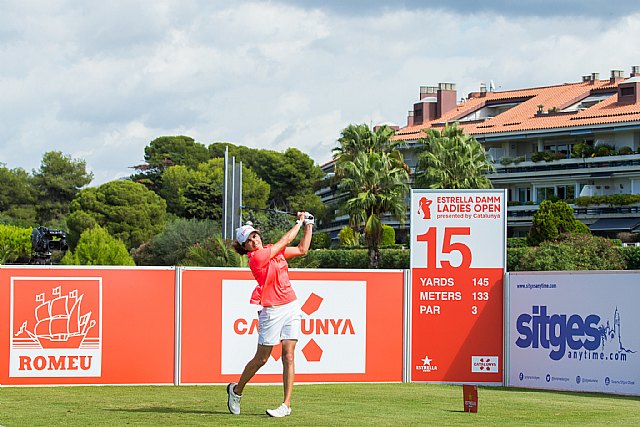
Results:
x,y
309,219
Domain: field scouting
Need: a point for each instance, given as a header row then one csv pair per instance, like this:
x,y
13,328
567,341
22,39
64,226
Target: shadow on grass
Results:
x,y
170,410
566,393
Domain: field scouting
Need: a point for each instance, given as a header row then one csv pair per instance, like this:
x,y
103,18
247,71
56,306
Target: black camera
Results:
x,y
44,240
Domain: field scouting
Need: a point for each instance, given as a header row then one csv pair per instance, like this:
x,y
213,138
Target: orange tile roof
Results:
x,y
523,117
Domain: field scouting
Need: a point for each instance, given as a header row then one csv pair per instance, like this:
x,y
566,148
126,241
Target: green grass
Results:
x,y
313,405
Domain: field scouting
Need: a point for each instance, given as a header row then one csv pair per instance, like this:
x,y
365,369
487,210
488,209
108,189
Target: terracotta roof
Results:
x,y
524,117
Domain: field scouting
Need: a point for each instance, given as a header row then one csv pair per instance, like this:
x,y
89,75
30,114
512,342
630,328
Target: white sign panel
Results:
x,y
446,221
575,331
333,326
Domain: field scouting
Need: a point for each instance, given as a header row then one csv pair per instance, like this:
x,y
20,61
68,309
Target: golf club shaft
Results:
x,y
269,210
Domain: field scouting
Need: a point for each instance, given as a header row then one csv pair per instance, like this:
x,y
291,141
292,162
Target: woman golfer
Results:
x,y
279,318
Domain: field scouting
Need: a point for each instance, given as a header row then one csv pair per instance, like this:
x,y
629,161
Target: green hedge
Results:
x,y
611,199
355,258
632,255
574,252
517,242
15,243
399,259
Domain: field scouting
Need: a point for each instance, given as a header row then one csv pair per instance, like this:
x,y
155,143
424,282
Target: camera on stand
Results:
x,y
43,241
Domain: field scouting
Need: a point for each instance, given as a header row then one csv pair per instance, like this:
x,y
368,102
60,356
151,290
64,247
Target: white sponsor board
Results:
x,y
575,331
334,327
484,364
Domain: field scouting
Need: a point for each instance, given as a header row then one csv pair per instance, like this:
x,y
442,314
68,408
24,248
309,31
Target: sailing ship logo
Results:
x,y
56,325
59,321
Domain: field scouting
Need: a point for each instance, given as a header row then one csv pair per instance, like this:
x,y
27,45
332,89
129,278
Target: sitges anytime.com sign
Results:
x,y
575,331
56,327
333,327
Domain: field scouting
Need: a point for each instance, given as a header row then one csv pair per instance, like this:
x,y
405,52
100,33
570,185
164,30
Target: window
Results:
x,y
560,192
587,102
544,193
523,195
566,192
489,111
627,91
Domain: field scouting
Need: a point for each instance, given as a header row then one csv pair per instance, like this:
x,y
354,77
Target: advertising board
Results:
x,y
575,331
458,261
98,325
352,326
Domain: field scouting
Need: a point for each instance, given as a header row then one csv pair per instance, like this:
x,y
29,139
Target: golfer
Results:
x,y
279,316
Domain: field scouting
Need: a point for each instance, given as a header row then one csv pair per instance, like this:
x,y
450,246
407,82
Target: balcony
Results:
x,y
626,161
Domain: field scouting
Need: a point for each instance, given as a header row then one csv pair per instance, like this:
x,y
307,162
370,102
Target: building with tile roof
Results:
x,y
563,141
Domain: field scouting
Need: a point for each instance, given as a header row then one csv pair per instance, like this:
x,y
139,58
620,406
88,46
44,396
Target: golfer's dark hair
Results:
x,y
239,248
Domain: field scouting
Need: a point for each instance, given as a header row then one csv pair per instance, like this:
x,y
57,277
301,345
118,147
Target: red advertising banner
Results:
x,y
87,325
457,271
352,325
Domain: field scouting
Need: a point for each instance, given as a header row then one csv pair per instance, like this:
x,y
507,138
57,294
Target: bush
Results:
x,y
395,259
15,243
631,255
553,219
611,200
351,259
582,150
537,156
514,255
516,242
573,252
213,252
388,235
170,247
506,161
320,240
604,150
625,150
347,237
98,247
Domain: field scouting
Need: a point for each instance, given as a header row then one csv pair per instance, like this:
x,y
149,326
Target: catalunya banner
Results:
x,y
76,325
458,260
352,326
575,331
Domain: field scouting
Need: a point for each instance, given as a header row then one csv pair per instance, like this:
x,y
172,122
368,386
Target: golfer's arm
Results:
x,y
303,246
284,241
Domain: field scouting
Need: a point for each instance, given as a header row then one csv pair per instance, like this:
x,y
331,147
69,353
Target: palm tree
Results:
x,y
451,159
361,138
376,185
213,252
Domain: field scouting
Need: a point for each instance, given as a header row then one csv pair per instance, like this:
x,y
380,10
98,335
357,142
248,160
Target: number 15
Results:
x,y
447,246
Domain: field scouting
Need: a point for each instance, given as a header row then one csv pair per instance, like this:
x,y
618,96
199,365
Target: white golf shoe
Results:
x,y
281,411
233,403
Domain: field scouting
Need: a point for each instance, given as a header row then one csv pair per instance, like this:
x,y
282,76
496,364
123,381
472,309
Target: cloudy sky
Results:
x,y
99,80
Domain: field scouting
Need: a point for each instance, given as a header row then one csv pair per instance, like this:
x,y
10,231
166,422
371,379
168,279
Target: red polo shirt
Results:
x,y
272,275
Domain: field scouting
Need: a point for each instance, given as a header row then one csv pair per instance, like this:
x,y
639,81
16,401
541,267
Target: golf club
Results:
x,y
308,215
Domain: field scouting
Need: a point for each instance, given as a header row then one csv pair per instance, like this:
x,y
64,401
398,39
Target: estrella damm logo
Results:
x,y
56,327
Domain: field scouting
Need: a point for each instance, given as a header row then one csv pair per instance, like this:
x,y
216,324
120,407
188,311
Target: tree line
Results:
x,y
168,212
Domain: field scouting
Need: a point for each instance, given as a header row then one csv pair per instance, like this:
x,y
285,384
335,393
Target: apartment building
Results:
x,y
554,142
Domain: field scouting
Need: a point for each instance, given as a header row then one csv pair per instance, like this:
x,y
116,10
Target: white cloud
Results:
x,y
101,80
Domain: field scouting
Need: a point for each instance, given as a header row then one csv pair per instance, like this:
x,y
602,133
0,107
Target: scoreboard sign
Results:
x,y
458,259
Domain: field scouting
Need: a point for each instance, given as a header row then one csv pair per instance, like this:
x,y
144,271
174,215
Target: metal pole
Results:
x,y
225,190
231,197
